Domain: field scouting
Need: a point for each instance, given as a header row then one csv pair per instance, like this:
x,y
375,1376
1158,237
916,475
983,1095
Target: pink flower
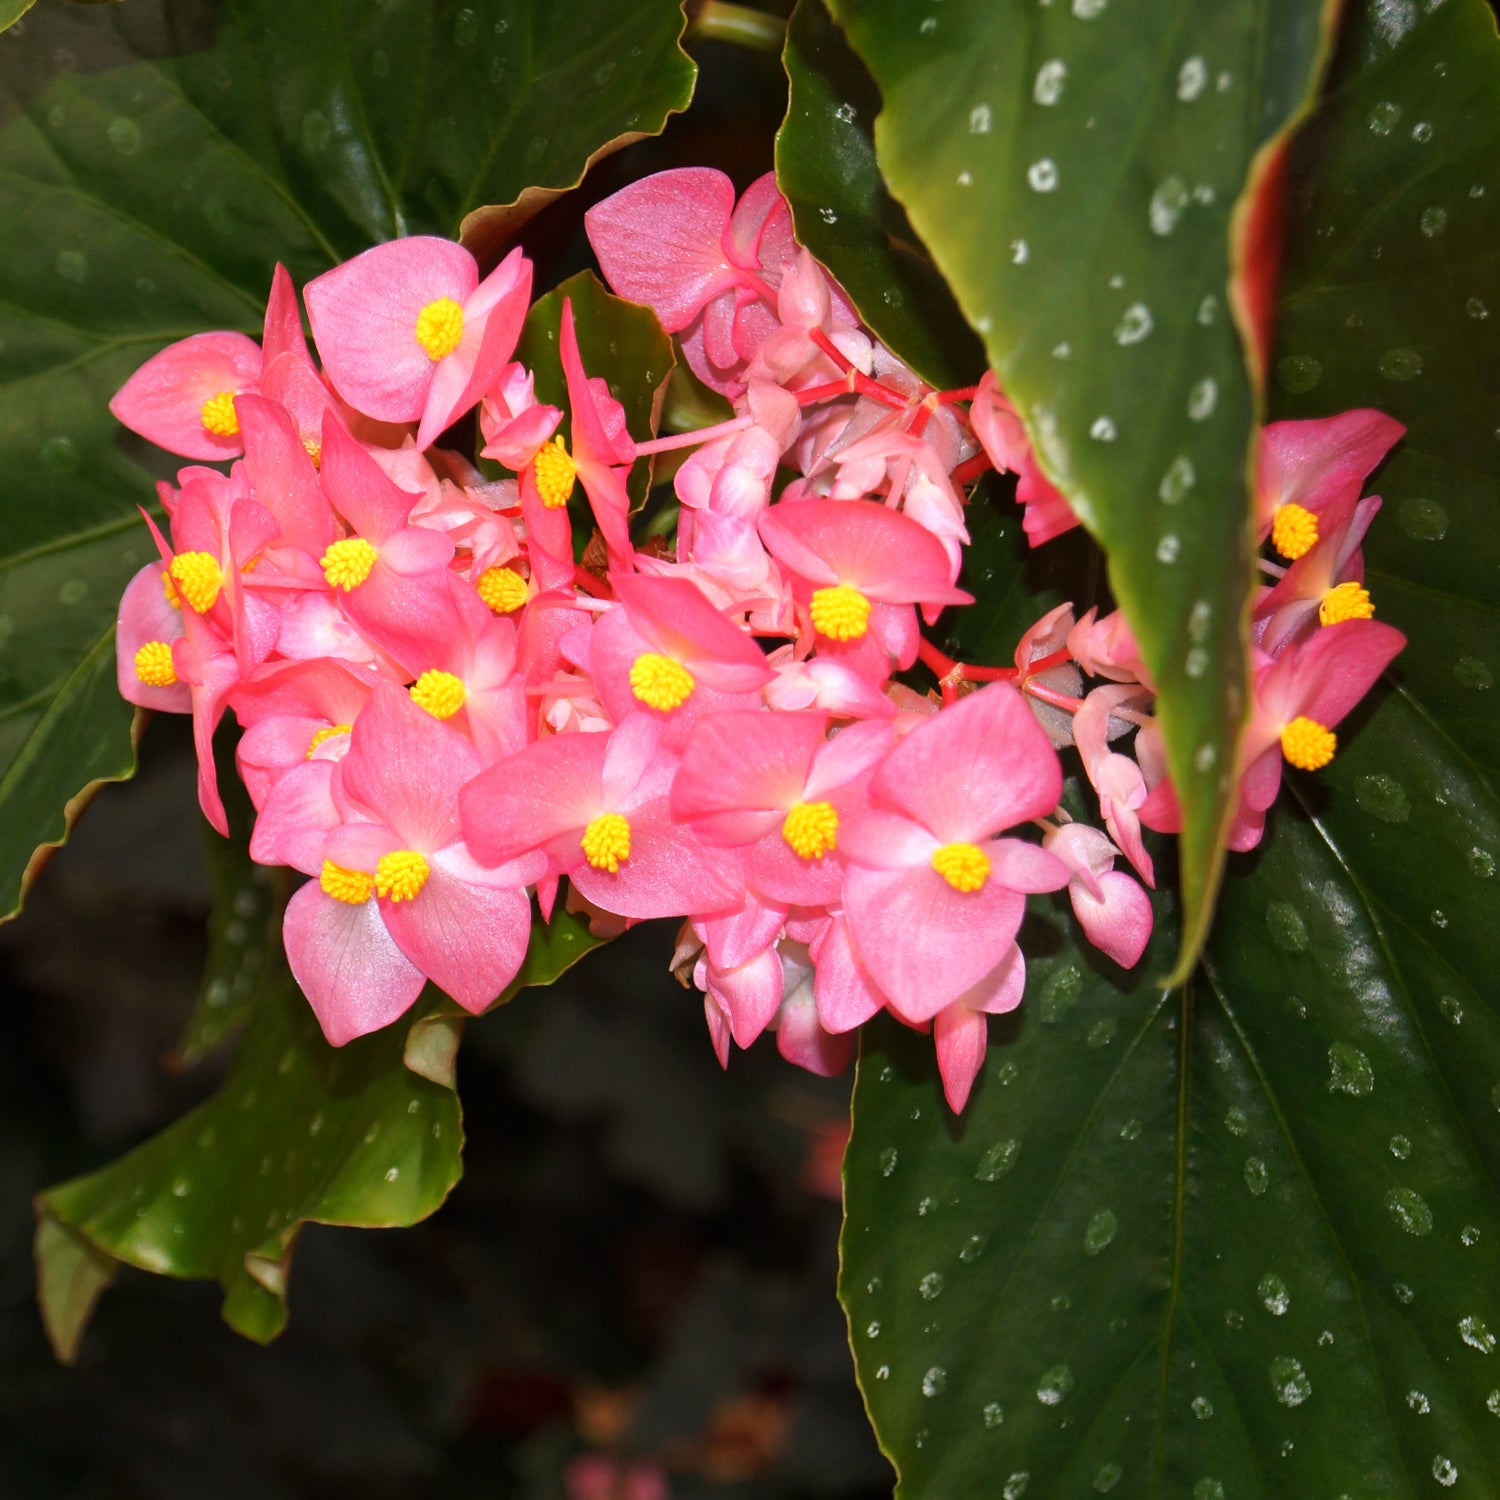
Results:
x,y
399,898
596,806
409,333
932,896
960,1031
1114,912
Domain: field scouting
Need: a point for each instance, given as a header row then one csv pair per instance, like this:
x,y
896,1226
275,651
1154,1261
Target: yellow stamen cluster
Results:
x,y
440,693
352,887
555,473
199,578
1348,601
660,682
327,732
314,450
1294,531
811,828
606,842
1307,744
440,327
503,589
153,664
347,563
841,613
217,415
965,867
401,874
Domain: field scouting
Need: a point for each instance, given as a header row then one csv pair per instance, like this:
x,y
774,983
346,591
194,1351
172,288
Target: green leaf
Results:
x,y
1074,173
71,1277
299,1132
620,343
1243,1240
143,200
825,165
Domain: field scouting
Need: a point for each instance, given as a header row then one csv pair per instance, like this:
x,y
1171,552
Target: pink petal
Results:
x,y
960,1036
468,939
407,768
923,942
354,976
1118,921
659,241
976,767
163,400
364,319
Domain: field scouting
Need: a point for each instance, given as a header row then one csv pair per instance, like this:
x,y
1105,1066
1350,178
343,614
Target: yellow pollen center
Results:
x,y
1349,601
811,828
606,842
153,664
170,590
401,874
352,887
555,472
440,326
965,867
1307,744
314,450
1294,531
199,578
218,415
503,589
440,693
327,732
660,682
347,563
841,613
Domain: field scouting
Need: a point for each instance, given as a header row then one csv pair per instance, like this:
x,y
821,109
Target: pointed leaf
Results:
x,y
1074,173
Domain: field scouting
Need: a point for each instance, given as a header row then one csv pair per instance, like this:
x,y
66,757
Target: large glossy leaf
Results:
x,y
1242,1240
143,199
826,167
1073,169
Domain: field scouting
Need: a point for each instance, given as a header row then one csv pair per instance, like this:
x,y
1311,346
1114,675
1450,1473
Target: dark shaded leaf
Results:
x,y
1243,1241
825,165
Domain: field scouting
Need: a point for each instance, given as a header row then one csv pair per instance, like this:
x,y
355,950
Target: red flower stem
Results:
x,y
692,439
1051,695
596,588
963,393
1042,663
971,468
824,392
831,349
929,655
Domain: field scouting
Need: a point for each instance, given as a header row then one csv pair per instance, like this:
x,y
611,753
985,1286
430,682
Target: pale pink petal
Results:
x,y
364,319
659,241
923,942
846,994
468,939
960,1036
1118,920
163,400
976,767
354,976
407,767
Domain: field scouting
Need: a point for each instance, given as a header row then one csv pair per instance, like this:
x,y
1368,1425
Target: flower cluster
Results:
x,y
444,710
